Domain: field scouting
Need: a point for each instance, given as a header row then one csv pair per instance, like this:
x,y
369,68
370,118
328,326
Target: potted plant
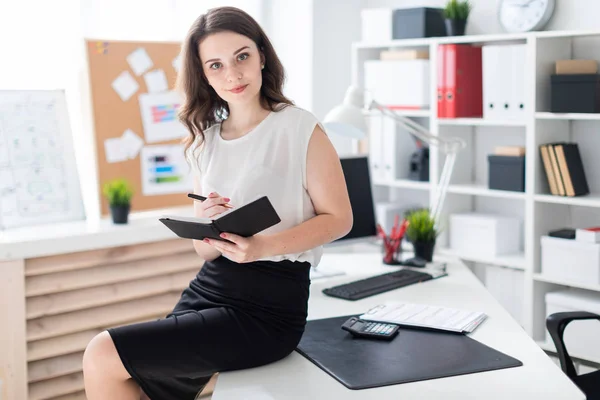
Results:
x,y
118,192
422,233
456,13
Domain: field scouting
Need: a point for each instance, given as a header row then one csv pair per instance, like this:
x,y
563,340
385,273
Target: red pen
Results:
x,y
380,230
402,230
383,236
396,223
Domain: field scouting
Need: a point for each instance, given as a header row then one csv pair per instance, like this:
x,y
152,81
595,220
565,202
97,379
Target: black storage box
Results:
x,y
419,22
419,165
575,93
506,173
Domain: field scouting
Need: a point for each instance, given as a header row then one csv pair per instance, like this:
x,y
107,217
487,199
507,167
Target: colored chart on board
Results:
x,y
164,170
164,113
159,117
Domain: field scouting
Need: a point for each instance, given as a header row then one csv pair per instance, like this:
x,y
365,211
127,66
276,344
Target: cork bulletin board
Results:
x,y
137,134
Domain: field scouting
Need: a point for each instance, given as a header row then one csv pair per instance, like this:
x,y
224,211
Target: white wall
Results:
x,y
289,25
336,25
313,40
569,14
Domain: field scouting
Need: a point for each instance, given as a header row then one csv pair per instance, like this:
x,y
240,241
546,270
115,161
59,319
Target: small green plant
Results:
x,y
118,192
421,226
457,9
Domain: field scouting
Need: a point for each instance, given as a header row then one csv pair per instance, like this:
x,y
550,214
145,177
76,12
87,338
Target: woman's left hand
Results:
x,y
240,249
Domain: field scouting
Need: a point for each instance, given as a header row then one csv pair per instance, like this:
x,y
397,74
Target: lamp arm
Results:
x,y
447,145
450,146
442,189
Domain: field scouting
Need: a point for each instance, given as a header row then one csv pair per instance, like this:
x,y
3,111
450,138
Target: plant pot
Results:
x,y
455,27
424,250
120,214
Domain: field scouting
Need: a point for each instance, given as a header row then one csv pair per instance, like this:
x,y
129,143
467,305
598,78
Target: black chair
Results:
x,y
556,324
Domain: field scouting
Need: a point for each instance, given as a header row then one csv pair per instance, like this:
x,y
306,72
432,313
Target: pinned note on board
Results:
x,y
132,142
159,116
177,63
123,148
102,47
114,151
139,61
125,85
156,81
164,170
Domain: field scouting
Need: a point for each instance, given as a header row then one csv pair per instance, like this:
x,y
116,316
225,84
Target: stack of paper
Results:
x,y
420,315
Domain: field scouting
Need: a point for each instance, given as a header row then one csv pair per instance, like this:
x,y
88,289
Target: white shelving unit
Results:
x,y
468,191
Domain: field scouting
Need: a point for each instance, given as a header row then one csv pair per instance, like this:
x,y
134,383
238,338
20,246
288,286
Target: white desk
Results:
x,y
297,378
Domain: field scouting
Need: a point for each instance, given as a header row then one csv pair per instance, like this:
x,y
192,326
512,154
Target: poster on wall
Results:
x,y
39,182
164,170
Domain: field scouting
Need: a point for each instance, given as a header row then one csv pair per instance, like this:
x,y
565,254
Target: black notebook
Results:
x,y
245,221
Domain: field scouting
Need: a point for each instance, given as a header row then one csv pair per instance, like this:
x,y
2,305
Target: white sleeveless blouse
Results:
x,y
270,160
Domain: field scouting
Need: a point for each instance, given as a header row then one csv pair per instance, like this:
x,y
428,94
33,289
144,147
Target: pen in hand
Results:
x,y
202,198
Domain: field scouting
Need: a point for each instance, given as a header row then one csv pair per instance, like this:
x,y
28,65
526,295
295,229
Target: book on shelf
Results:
x,y
564,169
516,151
389,55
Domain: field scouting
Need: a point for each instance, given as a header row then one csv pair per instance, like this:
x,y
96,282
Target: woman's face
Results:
x,y
232,65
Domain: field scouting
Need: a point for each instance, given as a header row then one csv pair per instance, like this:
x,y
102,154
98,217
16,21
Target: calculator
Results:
x,y
369,329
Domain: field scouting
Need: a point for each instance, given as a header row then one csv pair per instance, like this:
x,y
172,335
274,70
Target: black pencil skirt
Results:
x,y
231,316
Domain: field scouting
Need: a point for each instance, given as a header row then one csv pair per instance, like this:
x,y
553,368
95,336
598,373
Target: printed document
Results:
x,y
425,316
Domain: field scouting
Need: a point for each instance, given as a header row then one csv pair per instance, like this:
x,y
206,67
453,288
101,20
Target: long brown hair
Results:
x,y
202,107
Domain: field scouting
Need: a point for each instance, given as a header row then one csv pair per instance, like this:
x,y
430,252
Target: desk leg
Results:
x,y
13,342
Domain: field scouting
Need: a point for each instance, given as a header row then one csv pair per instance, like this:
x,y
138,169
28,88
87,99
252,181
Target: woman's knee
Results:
x,y
101,356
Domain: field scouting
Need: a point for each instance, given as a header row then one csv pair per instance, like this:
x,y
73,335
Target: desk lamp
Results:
x,y
348,119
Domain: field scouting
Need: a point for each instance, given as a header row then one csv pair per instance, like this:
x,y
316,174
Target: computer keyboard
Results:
x,y
377,284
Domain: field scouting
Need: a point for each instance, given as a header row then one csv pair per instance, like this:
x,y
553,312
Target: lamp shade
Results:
x,y
347,119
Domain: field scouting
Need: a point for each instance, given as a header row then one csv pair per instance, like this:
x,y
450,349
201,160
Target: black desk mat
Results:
x,y
413,355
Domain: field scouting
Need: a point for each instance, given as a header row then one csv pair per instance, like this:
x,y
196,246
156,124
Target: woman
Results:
x,y
248,304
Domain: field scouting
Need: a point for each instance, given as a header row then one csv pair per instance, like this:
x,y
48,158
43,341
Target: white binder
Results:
x,y
497,81
518,107
390,145
398,147
376,147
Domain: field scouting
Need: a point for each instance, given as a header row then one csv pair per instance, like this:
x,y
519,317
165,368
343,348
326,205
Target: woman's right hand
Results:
x,y
213,205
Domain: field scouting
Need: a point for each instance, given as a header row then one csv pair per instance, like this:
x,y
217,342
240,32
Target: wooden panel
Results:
x,y
103,275
112,255
57,346
71,343
13,367
112,116
72,396
55,367
56,387
53,304
47,327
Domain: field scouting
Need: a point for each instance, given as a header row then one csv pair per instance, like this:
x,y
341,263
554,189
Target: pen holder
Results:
x,y
392,251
